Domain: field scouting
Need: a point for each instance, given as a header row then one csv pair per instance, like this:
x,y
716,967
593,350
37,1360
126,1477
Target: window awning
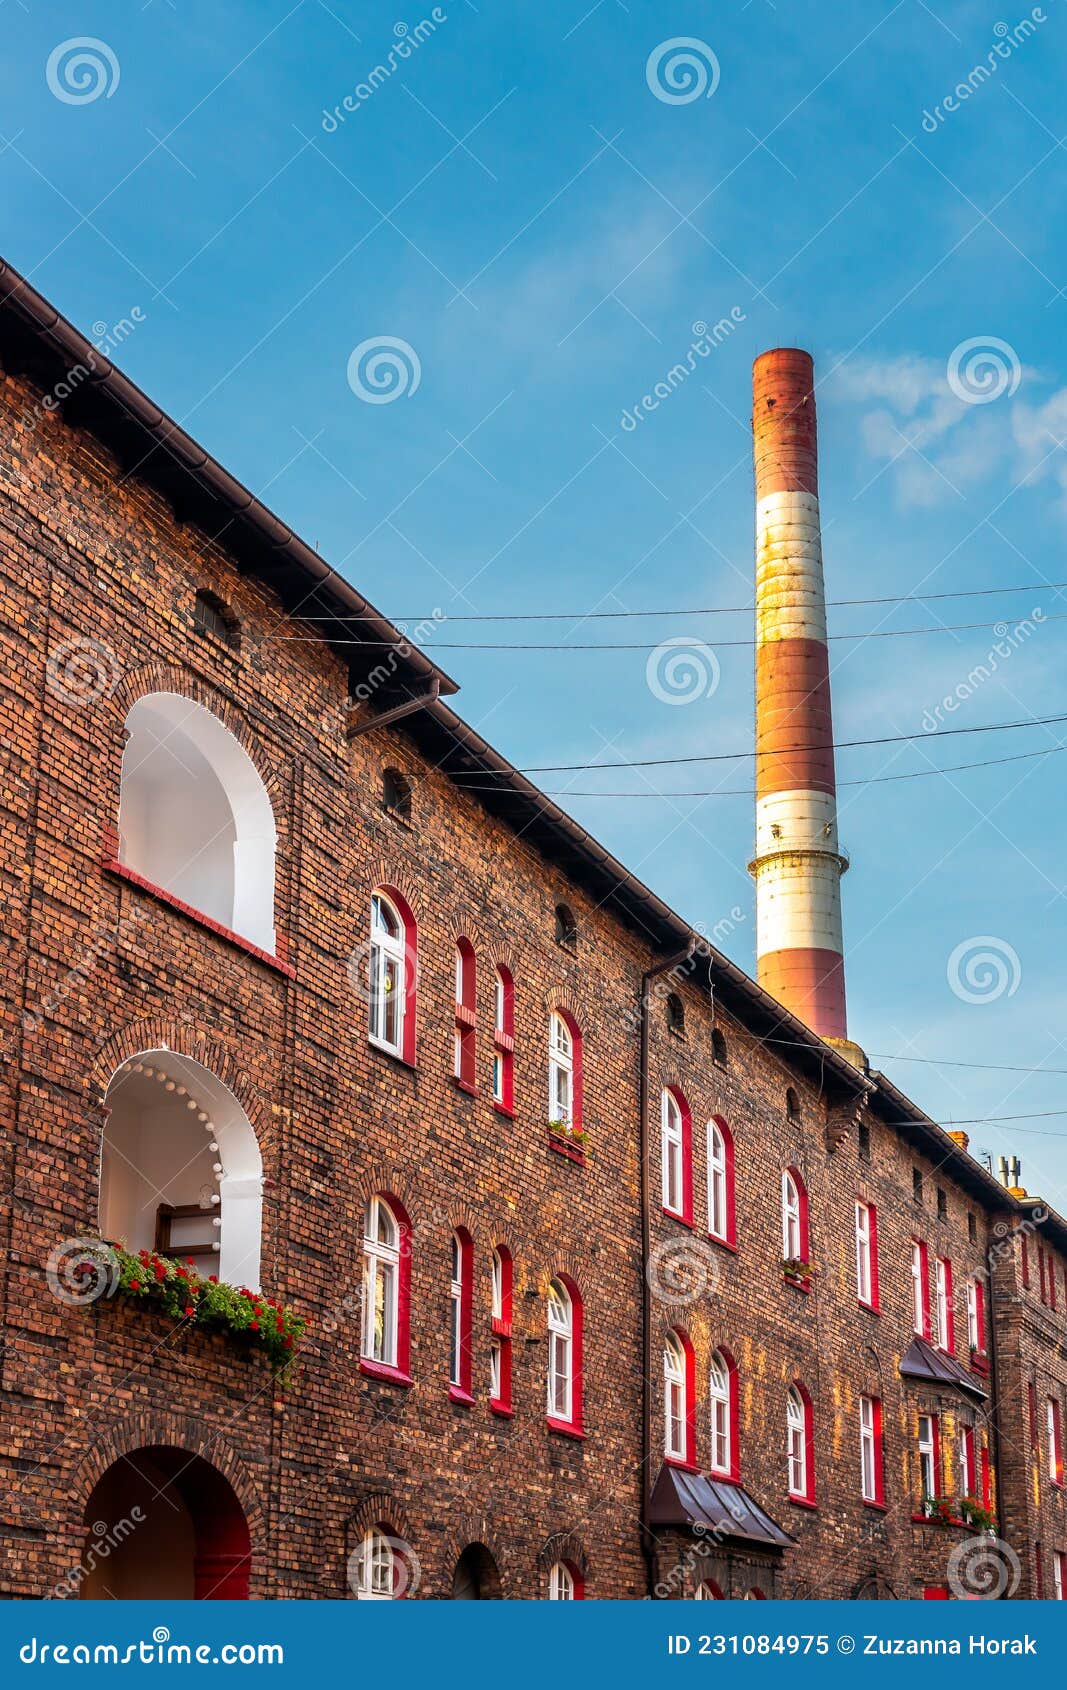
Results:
x,y
697,1503
933,1367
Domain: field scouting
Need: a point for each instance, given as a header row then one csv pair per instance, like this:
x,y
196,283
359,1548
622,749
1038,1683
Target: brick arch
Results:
x,y
177,1036
462,924
501,950
561,997
379,1508
381,1179
564,1546
389,873
162,677
468,1529
173,1431
464,1215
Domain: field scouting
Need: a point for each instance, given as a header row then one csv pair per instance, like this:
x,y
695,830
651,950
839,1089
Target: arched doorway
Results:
x,y
476,1578
180,1167
163,1523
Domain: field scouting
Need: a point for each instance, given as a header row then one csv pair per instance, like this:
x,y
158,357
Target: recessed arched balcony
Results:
x,y
180,1168
195,819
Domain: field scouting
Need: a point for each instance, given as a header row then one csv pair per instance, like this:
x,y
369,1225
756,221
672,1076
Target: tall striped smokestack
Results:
x,y
798,863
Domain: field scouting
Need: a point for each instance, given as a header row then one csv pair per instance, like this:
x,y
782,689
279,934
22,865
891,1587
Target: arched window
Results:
x,y
754,1595
707,1591
379,1569
180,1167
675,1015
461,1302
565,1357
566,926
722,1223
504,1041
565,1071
565,1583
212,615
679,1422
792,1104
396,794
676,1141
392,974
466,1057
718,1047
725,1461
386,1290
795,1246
800,1444
500,1343
195,819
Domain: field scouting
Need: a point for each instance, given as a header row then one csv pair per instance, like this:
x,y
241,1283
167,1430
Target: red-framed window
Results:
x,y
800,1443
722,1211
724,1403
460,1317
872,1453
565,1335
385,1349
920,1287
466,1056
968,1463
504,1040
796,1245
945,1305
565,1582
1055,1442
708,1591
500,1342
392,971
976,1316
1059,1574
987,1477
867,1254
565,1071
929,1458
679,1401
676,1154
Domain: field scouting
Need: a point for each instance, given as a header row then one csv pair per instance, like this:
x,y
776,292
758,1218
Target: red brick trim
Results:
x,y
184,1040
111,865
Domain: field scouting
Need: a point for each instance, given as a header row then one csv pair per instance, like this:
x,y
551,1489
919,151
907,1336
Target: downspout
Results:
x,y
650,974
995,1380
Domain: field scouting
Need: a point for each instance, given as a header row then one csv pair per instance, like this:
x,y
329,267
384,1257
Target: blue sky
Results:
x,y
515,203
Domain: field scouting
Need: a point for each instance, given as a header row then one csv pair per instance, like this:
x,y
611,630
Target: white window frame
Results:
x,y
968,1462
718,1184
918,1288
928,1475
560,1352
561,1583
675,1403
796,1443
973,1335
868,1451
496,1374
672,1141
560,1070
720,1405
941,1296
455,1314
381,1284
388,959
864,1277
1058,1559
498,1027
792,1242
376,1576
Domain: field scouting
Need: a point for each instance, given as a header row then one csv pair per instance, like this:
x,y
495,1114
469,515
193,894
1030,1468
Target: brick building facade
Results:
x,y
155,984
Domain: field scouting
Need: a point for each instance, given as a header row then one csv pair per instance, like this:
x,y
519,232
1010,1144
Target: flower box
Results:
x,y
571,1141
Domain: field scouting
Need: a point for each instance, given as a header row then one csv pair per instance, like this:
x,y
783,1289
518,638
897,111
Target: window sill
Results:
x,y
568,1150
464,1086
804,1502
121,871
797,1284
382,1370
877,1507
500,1328
724,1243
456,1393
682,1466
868,1308
503,1109
393,1055
564,1429
503,1409
724,1478
673,1215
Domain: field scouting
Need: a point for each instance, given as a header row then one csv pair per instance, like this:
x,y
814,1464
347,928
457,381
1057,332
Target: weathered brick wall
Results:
x,y
86,555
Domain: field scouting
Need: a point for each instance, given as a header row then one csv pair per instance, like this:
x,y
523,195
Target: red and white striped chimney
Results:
x,y
798,863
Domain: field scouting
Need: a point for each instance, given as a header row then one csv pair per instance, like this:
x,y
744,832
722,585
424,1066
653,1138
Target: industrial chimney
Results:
x,y
798,863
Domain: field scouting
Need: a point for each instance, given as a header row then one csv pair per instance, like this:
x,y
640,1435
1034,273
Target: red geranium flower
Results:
x,y
189,1309
254,1325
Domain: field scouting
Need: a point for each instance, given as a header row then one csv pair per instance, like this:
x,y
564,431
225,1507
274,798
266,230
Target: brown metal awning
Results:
x,y
696,1503
933,1367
